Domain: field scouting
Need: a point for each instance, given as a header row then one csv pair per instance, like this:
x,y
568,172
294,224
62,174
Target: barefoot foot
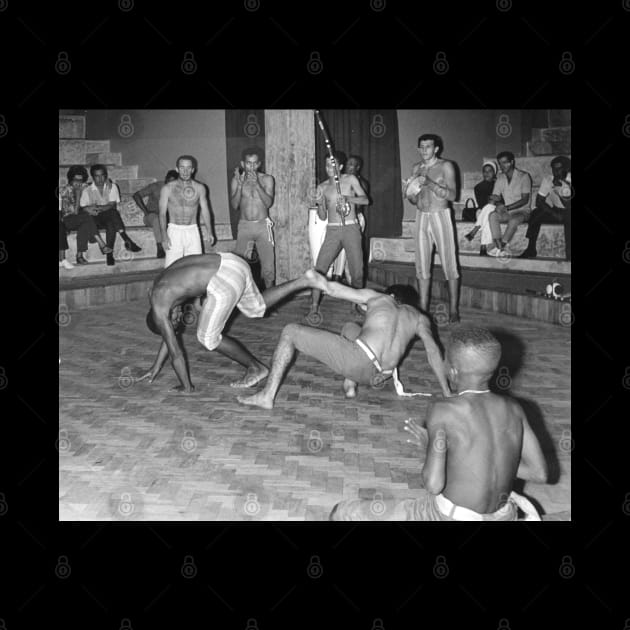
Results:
x,y
257,400
252,377
316,280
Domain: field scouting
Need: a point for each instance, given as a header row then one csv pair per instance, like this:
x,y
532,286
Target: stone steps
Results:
x,y
97,146
402,250
550,141
143,237
71,127
96,283
108,159
550,242
115,173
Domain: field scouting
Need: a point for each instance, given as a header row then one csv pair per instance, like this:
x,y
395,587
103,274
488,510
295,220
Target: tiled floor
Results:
x,y
134,451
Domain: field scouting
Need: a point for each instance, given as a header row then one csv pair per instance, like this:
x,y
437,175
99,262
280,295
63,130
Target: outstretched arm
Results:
x,y
434,356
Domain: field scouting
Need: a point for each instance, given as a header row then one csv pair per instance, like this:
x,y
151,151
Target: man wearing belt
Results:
x,y
363,355
181,198
477,444
434,181
252,193
339,235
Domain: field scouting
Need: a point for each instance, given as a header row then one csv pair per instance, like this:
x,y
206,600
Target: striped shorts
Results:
x,y
232,285
435,228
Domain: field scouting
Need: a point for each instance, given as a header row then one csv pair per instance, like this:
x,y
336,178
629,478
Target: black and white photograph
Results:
x,y
315,314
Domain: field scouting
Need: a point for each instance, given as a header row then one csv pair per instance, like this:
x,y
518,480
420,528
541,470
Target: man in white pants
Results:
x,y
181,198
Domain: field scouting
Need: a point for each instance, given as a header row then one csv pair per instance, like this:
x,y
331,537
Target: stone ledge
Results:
x,y
550,242
125,261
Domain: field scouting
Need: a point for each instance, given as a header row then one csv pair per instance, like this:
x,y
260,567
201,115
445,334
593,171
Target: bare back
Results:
x,y
388,329
484,434
185,278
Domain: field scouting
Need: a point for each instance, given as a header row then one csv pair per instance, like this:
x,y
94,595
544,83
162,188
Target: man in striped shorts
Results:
x,y
226,280
430,188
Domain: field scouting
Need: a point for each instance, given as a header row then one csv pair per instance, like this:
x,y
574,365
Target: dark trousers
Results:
x,y
63,241
111,222
547,214
85,226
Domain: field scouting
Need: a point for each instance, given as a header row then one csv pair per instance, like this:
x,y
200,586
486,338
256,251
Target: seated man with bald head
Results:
x,y
477,444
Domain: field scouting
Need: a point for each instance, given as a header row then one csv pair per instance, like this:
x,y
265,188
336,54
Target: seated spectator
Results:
x,y
553,205
72,217
483,190
511,194
152,208
63,245
100,199
508,203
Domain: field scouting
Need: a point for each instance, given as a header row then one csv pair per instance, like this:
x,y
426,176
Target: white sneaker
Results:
x,y
65,264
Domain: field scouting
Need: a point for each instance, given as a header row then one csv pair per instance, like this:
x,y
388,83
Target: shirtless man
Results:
x,y
181,198
365,354
252,193
436,179
353,167
227,282
477,444
339,236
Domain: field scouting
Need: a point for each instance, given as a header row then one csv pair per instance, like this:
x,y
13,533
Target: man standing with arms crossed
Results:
x,y
433,187
181,198
252,193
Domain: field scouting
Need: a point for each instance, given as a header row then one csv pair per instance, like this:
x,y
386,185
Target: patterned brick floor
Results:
x,y
134,451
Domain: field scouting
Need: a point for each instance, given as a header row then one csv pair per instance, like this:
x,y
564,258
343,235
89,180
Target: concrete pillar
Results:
x,y
290,158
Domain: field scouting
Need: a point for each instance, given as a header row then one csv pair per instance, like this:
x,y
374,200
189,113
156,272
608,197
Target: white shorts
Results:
x,y
185,241
232,285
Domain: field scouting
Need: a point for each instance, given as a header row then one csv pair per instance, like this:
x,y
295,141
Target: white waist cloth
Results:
x,y
459,513
350,222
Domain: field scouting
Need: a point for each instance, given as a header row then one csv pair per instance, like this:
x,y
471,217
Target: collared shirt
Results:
x,y
152,191
552,193
92,197
513,191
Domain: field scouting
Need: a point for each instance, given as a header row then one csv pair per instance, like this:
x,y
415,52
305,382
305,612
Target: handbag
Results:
x,y
470,212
